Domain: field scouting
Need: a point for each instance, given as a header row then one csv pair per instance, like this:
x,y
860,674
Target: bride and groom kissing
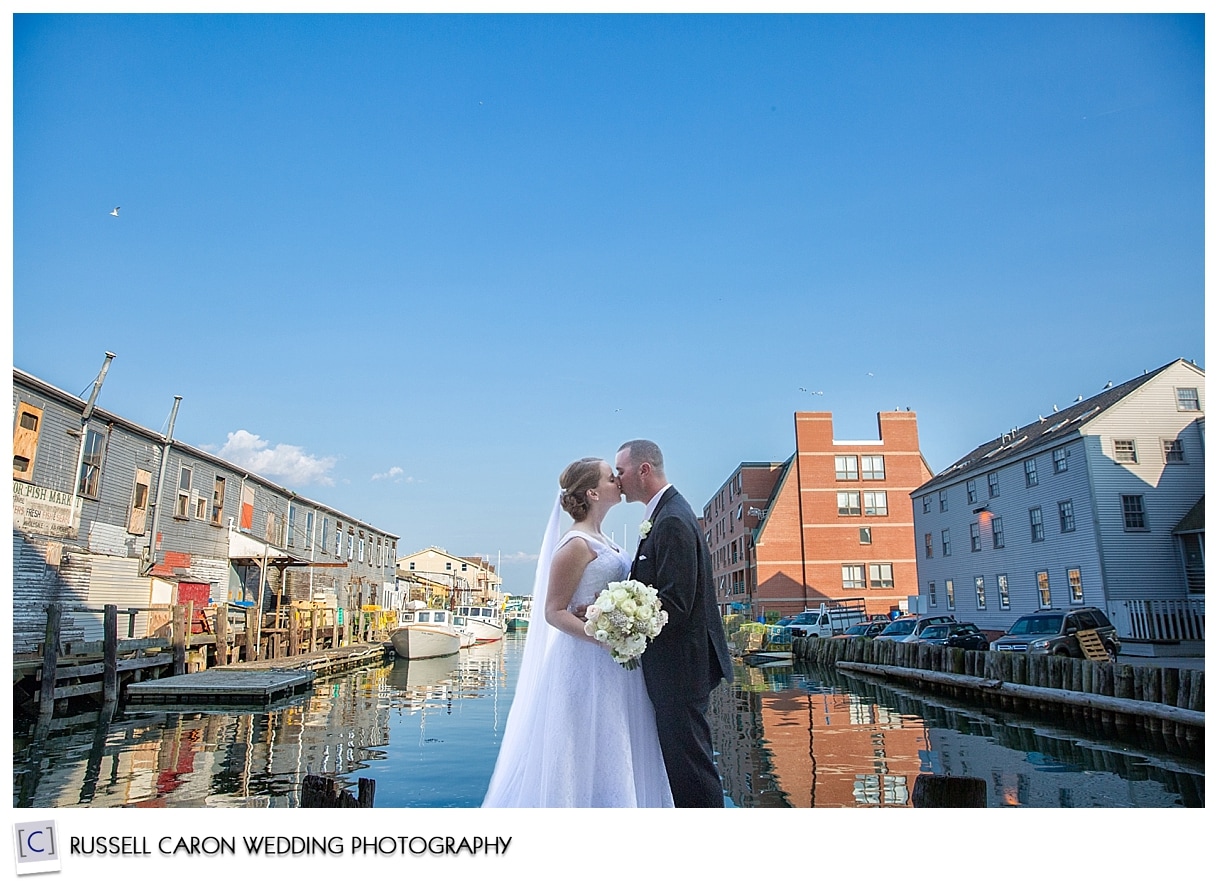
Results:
x,y
583,730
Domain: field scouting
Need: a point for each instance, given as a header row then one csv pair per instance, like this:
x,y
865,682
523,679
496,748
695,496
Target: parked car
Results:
x,y
907,628
1052,631
964,635
863,629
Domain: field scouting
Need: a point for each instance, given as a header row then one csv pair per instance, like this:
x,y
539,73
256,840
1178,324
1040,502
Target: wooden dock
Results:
x,y
257,683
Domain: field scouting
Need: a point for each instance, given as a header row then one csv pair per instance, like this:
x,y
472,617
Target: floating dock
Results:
x,y
258,683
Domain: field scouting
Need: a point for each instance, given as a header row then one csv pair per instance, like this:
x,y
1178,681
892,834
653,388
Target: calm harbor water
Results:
x,y
428,733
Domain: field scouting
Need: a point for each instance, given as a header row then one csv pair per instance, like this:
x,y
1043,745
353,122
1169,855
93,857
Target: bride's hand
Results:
x,y
580,611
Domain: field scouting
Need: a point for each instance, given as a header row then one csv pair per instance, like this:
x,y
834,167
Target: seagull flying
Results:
x,y
115,212
1055,408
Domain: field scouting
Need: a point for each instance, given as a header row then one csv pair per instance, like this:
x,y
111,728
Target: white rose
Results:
x,y
589,628
619,595
604,603
593,613
644,529
629,607
602,635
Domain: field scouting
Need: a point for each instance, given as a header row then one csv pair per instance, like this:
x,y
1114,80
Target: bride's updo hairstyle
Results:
x,y
576,480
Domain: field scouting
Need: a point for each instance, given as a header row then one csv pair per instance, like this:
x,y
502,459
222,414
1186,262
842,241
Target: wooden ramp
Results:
x,y
1092,646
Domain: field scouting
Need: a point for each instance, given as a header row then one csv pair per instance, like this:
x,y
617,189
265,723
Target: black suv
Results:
x,y
1052,632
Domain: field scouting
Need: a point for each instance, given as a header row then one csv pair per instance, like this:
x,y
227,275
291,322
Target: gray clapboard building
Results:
x,y
86,488
1099,503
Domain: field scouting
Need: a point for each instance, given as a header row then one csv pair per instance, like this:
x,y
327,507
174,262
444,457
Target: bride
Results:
x,y
581,731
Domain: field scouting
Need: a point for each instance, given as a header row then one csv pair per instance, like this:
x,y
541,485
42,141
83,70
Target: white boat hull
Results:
x,y
423,641
486,623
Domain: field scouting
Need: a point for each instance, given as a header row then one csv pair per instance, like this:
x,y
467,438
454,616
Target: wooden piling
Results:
x,y
50,660
110,653
947,791
323,792
221,633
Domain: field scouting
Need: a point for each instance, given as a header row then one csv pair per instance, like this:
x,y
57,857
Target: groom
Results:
x,y
689,656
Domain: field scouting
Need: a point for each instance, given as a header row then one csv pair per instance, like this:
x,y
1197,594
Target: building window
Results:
x,y
974,536
412,564
308,529
182,508
971,487
875,502
201,508
926,505
1186,399
1074,576
90,466
350,546
1124,450
1042,589
946,535
881,575
1065,513
137,520
992,478
270,534
291,537
1029,473
848,502
361,549
873,468
929,541
1004,591
930,590
1059,460
1038,524
25,440
979,582
864,535
852,576
1000,539
1173,450
949,589
325,535
1134,511
217,501
338,540
846,467
942,500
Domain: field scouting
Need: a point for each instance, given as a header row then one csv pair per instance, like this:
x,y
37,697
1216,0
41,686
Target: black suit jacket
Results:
x,y
689,656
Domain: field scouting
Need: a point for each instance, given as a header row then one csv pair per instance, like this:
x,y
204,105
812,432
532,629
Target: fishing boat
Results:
x,y
424,633
468,638
486,622
516,614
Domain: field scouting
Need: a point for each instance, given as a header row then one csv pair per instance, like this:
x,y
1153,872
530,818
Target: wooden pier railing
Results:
x,y
97,669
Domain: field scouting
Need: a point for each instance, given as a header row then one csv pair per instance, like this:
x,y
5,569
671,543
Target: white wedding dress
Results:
x,y
581,731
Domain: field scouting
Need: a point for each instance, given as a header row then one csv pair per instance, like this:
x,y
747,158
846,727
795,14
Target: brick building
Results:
x,y
836,521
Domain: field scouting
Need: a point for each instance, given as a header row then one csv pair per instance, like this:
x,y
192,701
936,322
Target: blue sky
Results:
x,y
411,266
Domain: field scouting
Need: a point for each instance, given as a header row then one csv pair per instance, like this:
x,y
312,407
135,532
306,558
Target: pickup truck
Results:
x,y
830,619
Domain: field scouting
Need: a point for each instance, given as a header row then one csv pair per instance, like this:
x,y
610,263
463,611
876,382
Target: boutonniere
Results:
x,y
644,529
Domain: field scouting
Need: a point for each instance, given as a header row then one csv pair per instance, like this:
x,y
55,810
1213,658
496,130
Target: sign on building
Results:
x,y
44,512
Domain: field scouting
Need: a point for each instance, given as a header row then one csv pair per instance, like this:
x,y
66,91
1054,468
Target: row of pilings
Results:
x,y
1161,707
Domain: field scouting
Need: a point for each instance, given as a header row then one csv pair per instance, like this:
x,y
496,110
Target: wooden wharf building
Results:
x,y
123,535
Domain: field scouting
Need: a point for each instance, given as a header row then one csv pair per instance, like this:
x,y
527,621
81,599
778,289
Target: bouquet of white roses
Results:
x,y
625,616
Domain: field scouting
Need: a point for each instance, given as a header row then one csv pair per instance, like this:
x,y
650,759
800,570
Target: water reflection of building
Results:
x,y
785,740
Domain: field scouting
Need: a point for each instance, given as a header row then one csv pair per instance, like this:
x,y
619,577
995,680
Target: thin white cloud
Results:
x,y
395,474
520,557
284,462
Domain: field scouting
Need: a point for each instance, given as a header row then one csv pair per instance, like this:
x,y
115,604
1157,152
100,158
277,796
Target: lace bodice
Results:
x,y
610,565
